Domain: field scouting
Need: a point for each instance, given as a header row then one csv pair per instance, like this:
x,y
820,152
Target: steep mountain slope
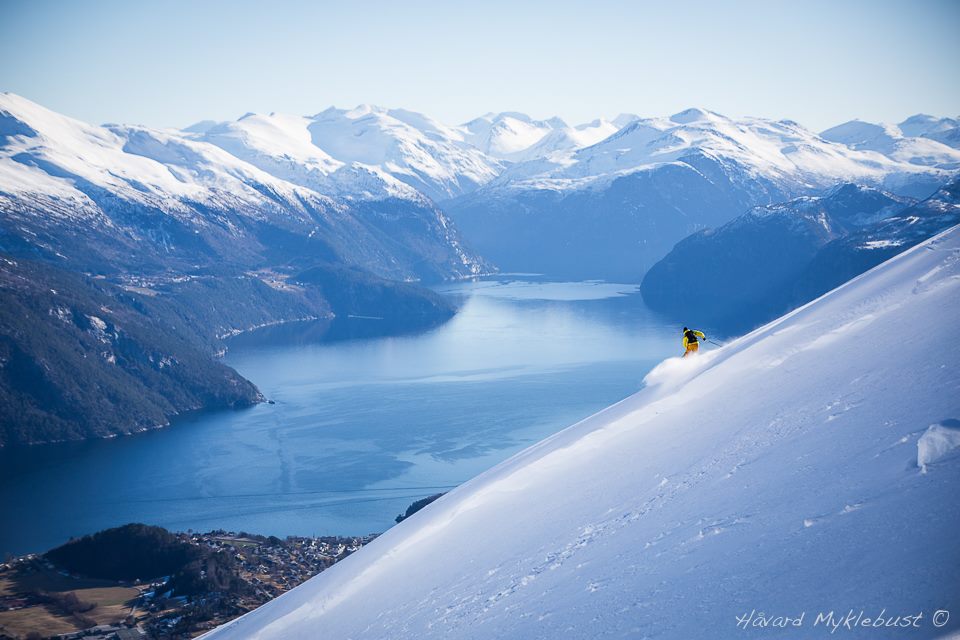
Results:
x,y
848,256
602,206
741,274
773,259
795,471
88,357
80,358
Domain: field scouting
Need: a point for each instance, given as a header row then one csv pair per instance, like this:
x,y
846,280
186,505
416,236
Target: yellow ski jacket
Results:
x,y
686,338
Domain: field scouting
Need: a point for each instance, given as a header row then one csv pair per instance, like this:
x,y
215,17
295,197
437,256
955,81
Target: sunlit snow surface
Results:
x,y
778,474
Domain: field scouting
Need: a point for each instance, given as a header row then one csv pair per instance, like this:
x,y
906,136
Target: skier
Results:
x,y
691,342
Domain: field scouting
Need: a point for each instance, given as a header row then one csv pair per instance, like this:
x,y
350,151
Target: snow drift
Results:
x,y
778,475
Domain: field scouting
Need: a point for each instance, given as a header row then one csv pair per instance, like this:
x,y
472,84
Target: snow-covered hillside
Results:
x,y
281,145
809,467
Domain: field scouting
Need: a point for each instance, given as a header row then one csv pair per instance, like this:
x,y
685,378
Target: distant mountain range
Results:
x,y
123,196
603,199
919,139
613,208
226,226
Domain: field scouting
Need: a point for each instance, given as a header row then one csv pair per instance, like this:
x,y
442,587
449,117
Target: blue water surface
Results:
x,y
360,427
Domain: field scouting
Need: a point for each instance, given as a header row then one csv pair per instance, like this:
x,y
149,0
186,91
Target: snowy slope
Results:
x,y
778,474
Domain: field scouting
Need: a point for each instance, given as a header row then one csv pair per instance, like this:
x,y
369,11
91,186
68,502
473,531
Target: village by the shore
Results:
x,y
39,600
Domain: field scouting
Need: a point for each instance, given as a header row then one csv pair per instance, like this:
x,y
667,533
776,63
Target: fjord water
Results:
x,y
361,426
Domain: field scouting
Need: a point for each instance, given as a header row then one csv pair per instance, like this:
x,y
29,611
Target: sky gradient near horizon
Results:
x,y
172,63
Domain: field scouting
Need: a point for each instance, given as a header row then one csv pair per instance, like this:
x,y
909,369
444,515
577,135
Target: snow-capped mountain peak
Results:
x,y
68,158
409,146
505,134
518,137
695,114
202,126
921,124
362,110
624,119
859,134
915,145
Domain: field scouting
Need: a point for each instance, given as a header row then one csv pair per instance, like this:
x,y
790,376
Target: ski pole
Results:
x,y
719,344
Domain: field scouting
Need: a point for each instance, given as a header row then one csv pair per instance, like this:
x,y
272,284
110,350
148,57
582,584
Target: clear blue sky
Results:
x,y
172,63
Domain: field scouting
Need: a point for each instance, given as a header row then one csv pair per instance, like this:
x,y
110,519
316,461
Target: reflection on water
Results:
x,y
364,422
